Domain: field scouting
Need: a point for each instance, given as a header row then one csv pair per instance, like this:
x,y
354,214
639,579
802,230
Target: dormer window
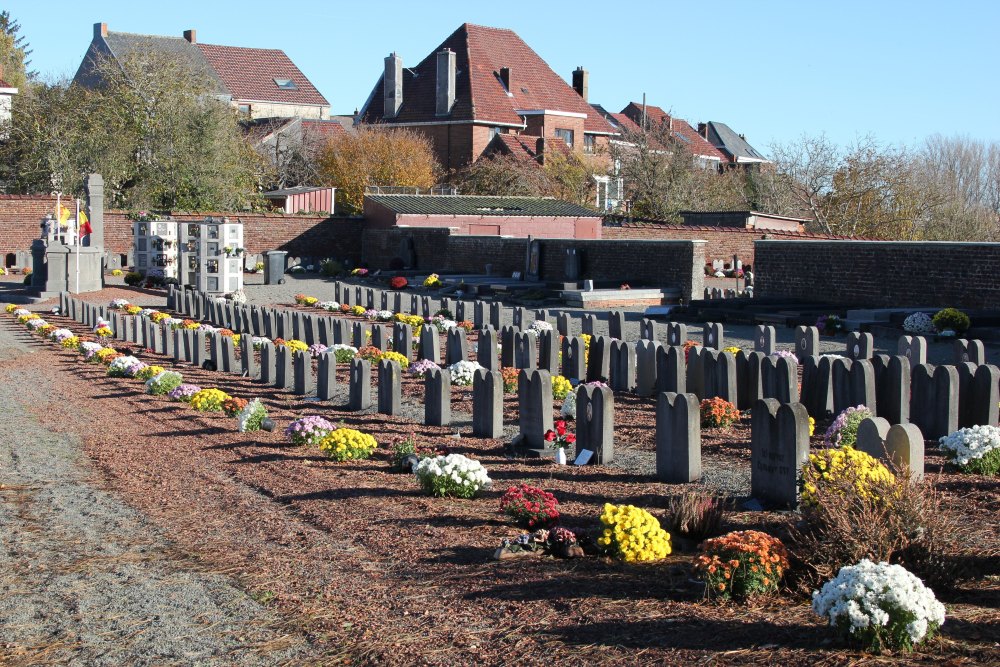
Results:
x,y
285,84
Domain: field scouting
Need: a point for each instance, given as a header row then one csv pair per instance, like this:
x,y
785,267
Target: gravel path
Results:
x,y
86,580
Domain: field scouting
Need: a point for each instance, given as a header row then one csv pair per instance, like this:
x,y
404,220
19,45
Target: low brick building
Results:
x,y
540,217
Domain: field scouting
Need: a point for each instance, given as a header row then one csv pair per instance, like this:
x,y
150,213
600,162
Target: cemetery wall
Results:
x,y
303,235
675,263
880,273
721,243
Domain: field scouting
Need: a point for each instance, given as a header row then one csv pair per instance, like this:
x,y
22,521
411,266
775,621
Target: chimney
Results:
x,y
540,149
392,86
703,130
100,30
581,82
445,84
191,36
505,78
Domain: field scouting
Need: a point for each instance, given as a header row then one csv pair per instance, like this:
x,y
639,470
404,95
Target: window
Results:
x,y
588,143
494,131
244,109
285,84
565,135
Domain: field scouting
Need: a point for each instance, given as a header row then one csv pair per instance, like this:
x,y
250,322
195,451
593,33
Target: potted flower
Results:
x,y
559,439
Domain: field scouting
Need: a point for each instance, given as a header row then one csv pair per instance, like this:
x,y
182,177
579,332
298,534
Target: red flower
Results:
x,y
550,435
570,438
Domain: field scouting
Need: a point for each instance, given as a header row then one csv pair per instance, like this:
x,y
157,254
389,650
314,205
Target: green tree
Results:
x,y
14,52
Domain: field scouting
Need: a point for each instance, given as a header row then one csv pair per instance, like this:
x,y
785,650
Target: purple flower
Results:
x,y
316,349
184,392
308,430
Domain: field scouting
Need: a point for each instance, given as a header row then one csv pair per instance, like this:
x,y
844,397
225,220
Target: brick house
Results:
x,y
645,116
734,146
482,82
261,83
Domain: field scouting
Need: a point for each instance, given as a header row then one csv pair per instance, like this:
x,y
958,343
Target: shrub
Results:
x,y
742,564
561,387
132,278
632,534
694,514
529,506
209,400
718,413
308,430
452,475
331,267
398,282
344,444
251,417
974,450
445,313
828,468
163,383
880,606
951,319
843,432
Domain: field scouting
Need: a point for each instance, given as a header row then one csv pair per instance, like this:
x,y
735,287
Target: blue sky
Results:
x,y
773,70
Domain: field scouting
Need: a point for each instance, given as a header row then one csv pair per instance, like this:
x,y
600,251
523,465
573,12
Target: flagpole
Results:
x,y
78,242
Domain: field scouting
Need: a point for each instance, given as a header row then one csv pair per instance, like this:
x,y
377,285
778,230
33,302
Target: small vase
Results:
x,y
561,456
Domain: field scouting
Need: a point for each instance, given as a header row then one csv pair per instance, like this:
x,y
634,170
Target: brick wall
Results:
x,y
721,243
880,273
300,235
657,263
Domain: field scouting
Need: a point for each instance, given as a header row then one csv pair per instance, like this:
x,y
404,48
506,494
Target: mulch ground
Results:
x,y
375,572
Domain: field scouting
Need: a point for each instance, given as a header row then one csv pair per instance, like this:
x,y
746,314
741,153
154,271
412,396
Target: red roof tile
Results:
x,y
480,53
525,146
249,75
696,143
4,84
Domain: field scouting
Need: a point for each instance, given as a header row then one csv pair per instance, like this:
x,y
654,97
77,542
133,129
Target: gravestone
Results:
x,y
806,342
397,303
460,311
913,348
623,365
507,345
402,339
860,345
563,324
719,375
486,350
437,397
645,376
863,388
892,388
574,354
841,373
534,394
479,314
520,317
542,315
779,446
228,364
359,385
904,445
779,378
326,376
248,361
986,395
599,359
647,329
430,345
304,380
712,336
487,404
198,349
285,378
750,379
178,344
694,370
548,351
872,432
326,331
764,339
414,308
671,371
524,350
595,423
359,336
384,301
587,324
678,438
371,298
969,351
616,324
934,400
268,364
380,337
457,347
817,386
966,374
390,400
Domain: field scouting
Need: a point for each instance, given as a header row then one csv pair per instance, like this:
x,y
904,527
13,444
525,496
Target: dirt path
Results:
x,y
85,579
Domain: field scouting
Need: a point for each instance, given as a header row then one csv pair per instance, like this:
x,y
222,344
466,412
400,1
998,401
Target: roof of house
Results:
x,y
525,147
250,74
480,53
735,146
4,84
297,190
479,205
131,45
682,130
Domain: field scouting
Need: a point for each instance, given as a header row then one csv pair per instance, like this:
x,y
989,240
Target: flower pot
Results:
x,y
267,425
561,456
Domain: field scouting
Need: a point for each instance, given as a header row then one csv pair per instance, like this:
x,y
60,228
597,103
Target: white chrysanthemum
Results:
x,y
920,324
967,444
462,372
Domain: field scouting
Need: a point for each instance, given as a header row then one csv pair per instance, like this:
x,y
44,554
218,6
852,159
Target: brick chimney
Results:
x,y
100,30
505,74
392,86
703,130
191,36
445,84
581,82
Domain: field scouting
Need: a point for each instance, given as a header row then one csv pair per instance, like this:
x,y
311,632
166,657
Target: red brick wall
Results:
x,y
301,235
880,273
721,243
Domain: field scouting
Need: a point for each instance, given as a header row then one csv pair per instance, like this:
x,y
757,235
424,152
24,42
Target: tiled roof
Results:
x,y
4,84
487,206
249,74
297,190
682,131
480,53
525,147
126,45
732,144
783,233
